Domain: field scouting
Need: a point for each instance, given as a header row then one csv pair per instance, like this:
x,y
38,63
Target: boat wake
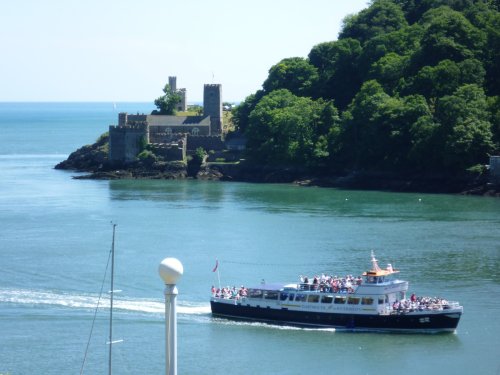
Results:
x,y
155,308
89,302
280,327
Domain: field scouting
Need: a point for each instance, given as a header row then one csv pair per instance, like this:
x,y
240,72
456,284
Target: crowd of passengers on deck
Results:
x,y
420,304
228,292
329,284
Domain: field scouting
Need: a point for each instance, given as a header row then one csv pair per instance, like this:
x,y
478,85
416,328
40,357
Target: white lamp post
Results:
x,y
170,271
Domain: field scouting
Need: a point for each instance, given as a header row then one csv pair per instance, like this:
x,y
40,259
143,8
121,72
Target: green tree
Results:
x,y
283,129
492,60
167,103
382,16
445,78
403,42
365,130
425,152
466,127
494,109
389,70
448,35
242,111
378,130
295,74
337,64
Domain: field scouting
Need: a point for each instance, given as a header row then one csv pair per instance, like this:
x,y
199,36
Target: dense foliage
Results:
x,y
167,103
409,85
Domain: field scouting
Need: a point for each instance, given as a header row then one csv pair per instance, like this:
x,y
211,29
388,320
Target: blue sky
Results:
x,y
110,50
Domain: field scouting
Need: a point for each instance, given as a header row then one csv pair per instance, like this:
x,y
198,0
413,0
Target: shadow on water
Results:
x,y
279,198
168,191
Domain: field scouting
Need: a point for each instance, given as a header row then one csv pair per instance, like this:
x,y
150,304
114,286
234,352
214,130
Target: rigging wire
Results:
x,y
95,313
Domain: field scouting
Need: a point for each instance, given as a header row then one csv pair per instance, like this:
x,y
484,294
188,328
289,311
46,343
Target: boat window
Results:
x,y
353,300
370,280
327,299
271,294
381,300
381,279
313,298
291,297
367,301
300,297
339,299
283,296
254,293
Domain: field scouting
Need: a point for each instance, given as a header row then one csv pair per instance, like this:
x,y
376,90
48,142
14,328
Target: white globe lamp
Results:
x,y
170,271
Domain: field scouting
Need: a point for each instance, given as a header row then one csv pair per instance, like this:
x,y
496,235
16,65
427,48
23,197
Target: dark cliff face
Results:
x,y
85,159
89,158
94,160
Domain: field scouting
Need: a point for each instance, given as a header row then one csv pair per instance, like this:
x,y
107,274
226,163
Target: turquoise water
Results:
x,y
55,236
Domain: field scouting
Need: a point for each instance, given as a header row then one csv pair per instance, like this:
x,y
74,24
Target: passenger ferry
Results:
x,y
375,302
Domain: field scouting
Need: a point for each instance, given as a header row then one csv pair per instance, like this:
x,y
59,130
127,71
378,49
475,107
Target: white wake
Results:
x,y
89,301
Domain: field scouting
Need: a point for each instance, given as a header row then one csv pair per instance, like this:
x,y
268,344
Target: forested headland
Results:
x,y
409,88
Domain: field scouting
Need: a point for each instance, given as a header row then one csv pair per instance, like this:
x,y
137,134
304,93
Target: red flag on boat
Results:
x,y
216,265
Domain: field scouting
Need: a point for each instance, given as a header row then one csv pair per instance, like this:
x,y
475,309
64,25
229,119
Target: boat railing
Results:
x,y
415,306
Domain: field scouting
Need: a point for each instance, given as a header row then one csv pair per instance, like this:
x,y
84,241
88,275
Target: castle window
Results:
x,y
168,131
195,131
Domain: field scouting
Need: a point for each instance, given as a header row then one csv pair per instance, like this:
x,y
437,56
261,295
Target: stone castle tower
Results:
x,y
172,82
212,106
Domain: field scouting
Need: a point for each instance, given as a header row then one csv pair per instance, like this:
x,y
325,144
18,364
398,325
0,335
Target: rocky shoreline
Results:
x,y
93,159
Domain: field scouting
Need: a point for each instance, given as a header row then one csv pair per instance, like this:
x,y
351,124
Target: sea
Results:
x,y
56,237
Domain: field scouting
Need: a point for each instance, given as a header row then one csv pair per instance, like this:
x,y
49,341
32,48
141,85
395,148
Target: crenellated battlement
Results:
x,y
139,126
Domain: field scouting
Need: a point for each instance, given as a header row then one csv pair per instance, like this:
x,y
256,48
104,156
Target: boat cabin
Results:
x,y
377,275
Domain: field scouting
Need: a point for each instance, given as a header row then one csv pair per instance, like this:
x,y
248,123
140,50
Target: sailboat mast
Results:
x,y
111,298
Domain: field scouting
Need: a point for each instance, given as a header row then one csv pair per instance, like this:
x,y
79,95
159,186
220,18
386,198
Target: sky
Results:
x,y
123,50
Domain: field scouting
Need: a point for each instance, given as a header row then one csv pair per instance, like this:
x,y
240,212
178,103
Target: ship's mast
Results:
x,y
111,292
375,266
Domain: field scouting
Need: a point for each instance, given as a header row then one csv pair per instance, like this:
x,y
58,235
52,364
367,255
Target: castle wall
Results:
x,y
133,119
157,132
172,151
212,106
125,142
211,142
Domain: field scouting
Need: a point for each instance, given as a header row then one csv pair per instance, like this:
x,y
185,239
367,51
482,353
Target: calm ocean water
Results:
x,y
55,237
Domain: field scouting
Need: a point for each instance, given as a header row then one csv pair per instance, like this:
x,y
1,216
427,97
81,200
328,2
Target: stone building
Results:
x,y
182,106
128,138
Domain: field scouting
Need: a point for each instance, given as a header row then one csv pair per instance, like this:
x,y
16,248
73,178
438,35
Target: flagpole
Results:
x,y
216,268
218,277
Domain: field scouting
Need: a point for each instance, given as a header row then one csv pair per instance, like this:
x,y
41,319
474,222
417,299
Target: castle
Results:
x,y
169,136
172,83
